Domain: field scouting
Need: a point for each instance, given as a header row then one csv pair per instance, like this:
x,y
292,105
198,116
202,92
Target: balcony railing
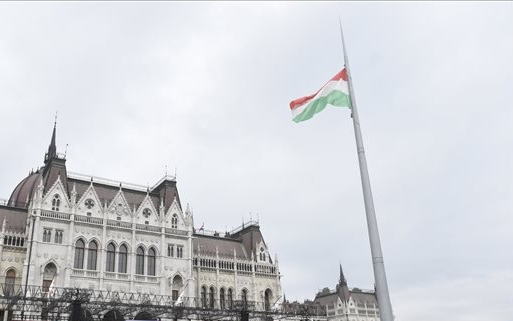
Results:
x,y
119,224
148,228
175,231
54,215
89,219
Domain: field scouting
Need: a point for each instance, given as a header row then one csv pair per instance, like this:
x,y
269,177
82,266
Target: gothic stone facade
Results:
x,y
344,304
85,232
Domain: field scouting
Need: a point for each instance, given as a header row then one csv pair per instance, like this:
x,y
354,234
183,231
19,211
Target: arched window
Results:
x,y
56,202
267,299
230,298
152,257
47,235
92,254
174,221
79,254
204,296
123,253
211,297
222,302
244,297
111,257
139,261
177,285
49,275
10,279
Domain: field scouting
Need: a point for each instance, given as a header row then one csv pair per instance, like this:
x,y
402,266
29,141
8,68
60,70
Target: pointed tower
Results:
x,y
55,166
52,149
342,279
342,289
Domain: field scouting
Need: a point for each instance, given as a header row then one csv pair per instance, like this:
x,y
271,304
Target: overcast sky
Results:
x,y
205,87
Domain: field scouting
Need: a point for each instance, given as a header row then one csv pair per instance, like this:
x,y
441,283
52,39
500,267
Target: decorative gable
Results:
x,y
147,213
262,252
56,199
174,217
89,203
119,207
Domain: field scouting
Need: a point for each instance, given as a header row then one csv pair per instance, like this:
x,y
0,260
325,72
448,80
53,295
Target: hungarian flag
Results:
x,y
335,93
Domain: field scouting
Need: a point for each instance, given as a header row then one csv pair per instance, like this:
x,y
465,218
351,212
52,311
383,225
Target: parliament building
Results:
x,y
67,230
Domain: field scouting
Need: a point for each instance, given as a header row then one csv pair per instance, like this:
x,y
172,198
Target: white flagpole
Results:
x,y
385,307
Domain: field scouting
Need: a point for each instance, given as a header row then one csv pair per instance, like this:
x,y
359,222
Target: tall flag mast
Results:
x,y
338,92
385,307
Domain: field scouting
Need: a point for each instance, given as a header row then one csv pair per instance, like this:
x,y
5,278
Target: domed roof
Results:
x,y
24,191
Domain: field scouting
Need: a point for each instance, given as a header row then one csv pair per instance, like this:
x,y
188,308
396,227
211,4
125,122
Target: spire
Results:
x,y
52,149
342,280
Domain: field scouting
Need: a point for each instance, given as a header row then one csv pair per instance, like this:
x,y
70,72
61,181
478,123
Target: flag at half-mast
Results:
x,y
335,93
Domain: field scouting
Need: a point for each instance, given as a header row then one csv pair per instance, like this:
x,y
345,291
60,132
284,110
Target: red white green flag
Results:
x,y
335,93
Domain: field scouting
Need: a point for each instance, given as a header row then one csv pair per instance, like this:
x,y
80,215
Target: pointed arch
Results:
x,y
152,260
49,274
56,202
122,258
222,298
92,255
244,296
268,295
10,280
176,286
211,297
139,260
230,298
110,263
79,254
204,296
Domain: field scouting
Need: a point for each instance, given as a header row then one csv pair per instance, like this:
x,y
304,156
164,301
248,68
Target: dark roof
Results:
x,y
367,296
207,245
327,296
24,191
15,218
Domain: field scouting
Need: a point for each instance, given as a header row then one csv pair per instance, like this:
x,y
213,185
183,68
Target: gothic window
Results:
x,y
146,212
244,297
79,254
177,284
47,235
151,261
262,254
211,296
179,251
170,250
56,202
267,299
58,236
111,257
10,278
48,276
174,221
89,203
230,298
222,302
123,253
139,261
92,255
204,296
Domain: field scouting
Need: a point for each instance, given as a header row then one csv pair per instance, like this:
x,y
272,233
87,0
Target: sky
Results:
x,y
203,89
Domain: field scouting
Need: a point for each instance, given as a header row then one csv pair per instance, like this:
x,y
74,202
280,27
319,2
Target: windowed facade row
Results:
x,y
47,235
175,250
116,258
208,297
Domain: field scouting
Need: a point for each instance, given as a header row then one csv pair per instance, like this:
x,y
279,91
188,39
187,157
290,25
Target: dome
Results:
x,y
24,191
